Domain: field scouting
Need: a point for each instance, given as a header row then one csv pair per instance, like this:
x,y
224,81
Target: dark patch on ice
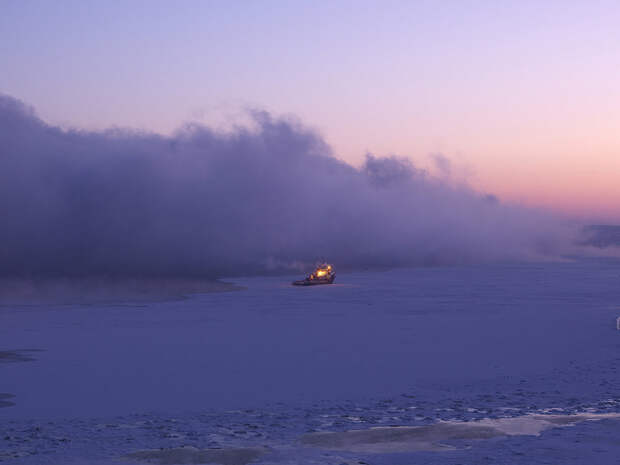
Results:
x,y
8,356
182,455
14,356
4,402
96,290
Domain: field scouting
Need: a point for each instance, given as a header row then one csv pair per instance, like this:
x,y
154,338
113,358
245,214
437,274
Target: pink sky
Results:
x,y
523,97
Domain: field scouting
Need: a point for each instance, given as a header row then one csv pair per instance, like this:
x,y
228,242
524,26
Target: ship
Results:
x,y
323,274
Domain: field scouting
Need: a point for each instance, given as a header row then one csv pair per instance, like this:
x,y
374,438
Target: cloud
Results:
x,y
442,163
251,200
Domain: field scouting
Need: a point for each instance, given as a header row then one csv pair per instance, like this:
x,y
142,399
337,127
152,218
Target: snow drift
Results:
x,y
255,199
394,439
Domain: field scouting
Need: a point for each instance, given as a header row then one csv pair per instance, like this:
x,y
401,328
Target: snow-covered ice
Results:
x,y
509,348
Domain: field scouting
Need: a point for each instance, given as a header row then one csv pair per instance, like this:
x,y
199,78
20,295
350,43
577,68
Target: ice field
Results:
x,y
258,375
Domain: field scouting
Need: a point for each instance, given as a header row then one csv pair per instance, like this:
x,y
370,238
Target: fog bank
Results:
x,y
258,199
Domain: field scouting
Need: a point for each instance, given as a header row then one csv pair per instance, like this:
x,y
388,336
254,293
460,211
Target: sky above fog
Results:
x,y
523,97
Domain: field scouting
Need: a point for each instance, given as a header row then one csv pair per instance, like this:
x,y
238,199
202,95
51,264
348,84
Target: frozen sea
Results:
x,y
255,375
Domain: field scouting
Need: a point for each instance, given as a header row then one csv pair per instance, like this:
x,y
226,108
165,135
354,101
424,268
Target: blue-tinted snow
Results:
x,y
263,366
